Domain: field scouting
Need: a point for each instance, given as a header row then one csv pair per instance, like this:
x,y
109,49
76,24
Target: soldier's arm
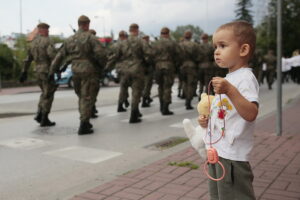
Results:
x,y
99,52
112,58
27,61
58,59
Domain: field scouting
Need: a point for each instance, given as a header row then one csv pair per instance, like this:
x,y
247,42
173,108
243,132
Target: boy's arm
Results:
x,y
247,110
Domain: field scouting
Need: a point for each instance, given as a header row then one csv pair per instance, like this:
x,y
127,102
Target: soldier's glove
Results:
x,y
195,135
23,77
51,77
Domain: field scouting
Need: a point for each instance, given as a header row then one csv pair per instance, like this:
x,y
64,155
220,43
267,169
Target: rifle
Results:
x,y
73,29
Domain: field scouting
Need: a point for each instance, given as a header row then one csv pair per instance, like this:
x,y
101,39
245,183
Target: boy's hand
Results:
x,y
221,85
203,121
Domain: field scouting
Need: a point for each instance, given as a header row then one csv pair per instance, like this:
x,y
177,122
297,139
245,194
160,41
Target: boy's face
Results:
x,y
227,49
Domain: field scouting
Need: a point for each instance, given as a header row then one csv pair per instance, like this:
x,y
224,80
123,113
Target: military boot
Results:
x,y
134,117
188,105
139,113
120,108
38,116
95,109
45,120
85,128
161,105
165,110
179,93
145,103
126,102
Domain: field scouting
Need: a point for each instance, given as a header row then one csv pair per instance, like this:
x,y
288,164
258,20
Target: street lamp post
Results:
x,y
279,86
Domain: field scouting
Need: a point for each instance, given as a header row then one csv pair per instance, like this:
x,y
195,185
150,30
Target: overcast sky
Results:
x,y
116,15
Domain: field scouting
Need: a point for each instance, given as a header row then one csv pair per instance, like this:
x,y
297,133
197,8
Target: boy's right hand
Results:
x,y
203,121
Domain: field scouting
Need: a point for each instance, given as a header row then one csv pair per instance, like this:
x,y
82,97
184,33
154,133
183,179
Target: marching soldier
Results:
x,y
97,86
86,53
118,64
148,79
270,61
166,53
134,52
206,65
42,51
188,68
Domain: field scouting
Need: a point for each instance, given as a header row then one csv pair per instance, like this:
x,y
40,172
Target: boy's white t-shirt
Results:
x,y
238,140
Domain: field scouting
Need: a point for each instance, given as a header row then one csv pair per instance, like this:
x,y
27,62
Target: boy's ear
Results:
x,y
244,50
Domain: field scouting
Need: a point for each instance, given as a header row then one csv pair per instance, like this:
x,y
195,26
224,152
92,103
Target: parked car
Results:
x,y
66,78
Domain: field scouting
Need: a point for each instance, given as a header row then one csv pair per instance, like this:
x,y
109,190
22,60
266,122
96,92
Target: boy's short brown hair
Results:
x,y
244,32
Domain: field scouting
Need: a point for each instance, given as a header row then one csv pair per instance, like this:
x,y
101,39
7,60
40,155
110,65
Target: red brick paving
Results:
x,y
275,162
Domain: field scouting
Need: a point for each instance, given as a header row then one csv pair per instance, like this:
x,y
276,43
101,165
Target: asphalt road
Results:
x,y
55,163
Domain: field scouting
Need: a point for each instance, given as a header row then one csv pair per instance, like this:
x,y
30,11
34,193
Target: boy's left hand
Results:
x,y
221,85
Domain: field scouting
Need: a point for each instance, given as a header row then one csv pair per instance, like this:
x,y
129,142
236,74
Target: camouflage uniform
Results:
x,y
189,70
149,72
206,66
42,51
270,61
98,76
166,51
133,51
119,65
86,53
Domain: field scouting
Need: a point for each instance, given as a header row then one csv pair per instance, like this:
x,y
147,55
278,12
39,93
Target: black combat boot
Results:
x,y
85,128
94,109
94,115
134,117
165,110
188,105
145,103
139,113
45,120
179,93
120,108
38,116
126,102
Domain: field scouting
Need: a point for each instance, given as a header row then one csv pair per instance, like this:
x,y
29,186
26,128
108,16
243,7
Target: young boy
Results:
x,y
234,45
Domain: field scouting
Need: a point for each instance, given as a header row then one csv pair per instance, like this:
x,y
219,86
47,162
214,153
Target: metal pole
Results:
x,y
20,16
279,84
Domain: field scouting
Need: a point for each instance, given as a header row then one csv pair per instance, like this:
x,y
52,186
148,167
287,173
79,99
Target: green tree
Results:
x,y
243,10
266,31
179,31
7,62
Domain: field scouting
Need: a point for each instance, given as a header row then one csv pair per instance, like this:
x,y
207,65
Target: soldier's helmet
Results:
x,y
188,34
83,20
92,31
43,25
165,31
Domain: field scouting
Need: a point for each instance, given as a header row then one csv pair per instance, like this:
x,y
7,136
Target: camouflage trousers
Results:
x,y
124,84
165,80
189,81
85,85
148,85
96,88
136,82
48,89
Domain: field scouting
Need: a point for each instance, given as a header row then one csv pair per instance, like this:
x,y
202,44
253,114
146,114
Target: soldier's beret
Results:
x,y
188,34
83,19
133,26
122,33
165,30
204,36
43,25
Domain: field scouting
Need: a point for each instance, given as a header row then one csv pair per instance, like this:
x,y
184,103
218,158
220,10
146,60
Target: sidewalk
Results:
x,y
275,162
